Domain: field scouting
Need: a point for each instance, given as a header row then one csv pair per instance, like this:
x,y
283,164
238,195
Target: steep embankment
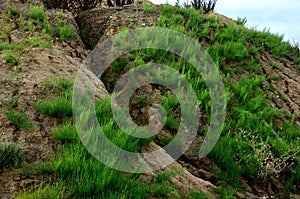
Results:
x,y
257,154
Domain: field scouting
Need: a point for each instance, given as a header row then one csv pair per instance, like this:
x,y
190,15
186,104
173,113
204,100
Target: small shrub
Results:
x,y
268,164
37,12
204,5
21,120
37,41
10,154
20,21
274,65
241,21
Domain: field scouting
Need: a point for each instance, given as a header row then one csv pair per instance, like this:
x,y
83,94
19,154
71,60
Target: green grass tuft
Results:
x,y
21,120
65,31
57,107
11,57
10,155
13,11
37,12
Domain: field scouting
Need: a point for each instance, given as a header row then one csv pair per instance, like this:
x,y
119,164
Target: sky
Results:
x,y
280,16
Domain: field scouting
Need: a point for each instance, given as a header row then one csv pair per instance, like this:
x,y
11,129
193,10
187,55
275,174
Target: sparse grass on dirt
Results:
x,y
34,22
83,176
79,174
259,141
253,145
11,57
60,104
21,120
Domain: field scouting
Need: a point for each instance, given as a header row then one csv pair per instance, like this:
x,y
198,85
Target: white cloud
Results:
x,y
280,16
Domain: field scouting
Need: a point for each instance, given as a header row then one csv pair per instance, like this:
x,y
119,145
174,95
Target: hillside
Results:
x,y
43,57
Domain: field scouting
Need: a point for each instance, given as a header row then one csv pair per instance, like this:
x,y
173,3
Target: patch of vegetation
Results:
x,y
10,155
21,120
171,124
31,20
192,194
82,176
56,191
57,107
65,31
65,133
165,176
149,9
241,21
37,12
74,6
87,177
14,101
249,114
56,85
226,193
37,41
11,57
13,11
253,144
203,5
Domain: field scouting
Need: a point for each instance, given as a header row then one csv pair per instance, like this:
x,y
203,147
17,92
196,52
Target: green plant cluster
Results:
x,y
10,155
203,5
253,144
36,21
248,110
20,120
82,176
251,120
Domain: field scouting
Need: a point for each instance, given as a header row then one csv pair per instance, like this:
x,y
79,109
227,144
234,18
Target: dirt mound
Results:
x,y
104,22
